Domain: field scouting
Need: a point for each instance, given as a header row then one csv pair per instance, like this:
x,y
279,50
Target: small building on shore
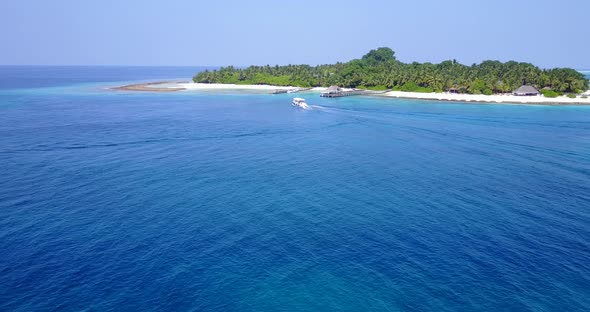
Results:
x,y
333,90
526,91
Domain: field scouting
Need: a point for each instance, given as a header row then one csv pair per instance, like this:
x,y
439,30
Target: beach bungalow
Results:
x,y
526,91
334,89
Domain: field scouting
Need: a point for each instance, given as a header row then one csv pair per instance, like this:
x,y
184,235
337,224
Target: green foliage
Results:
x,y
380,70
409,87
373,88
377,88
549,93
488,91
477,86
584,96
571,95
379,56
413,87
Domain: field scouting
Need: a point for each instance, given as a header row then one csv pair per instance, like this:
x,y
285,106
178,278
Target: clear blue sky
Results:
x,y
222,32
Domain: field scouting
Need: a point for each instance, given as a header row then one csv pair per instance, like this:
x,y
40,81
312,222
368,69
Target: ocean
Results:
x,y
197,201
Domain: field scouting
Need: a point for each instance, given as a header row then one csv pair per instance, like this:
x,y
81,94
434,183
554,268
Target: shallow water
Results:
x,y
239,202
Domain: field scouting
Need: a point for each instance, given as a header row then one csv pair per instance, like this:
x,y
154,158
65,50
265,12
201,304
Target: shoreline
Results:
x,y
175,86
238,87
489,99
155,86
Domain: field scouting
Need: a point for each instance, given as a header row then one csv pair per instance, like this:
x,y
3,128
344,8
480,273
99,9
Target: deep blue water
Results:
x,y
122,201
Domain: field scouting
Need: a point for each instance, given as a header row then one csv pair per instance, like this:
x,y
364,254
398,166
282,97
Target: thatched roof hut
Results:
x,y
334,89
526,91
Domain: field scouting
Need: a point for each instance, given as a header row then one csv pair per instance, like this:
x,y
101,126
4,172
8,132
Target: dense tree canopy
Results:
x,y
379,69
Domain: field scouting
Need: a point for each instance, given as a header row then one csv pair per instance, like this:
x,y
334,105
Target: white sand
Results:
x,y
503,98
222,86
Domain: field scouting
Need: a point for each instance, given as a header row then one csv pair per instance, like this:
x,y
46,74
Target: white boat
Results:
x,y
299,102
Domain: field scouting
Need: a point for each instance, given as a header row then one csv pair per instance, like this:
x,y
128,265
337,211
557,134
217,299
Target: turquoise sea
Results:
x,y
197,201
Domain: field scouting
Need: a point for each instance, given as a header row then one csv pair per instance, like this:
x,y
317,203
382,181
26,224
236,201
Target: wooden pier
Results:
x,y
335,91
343,93
293,90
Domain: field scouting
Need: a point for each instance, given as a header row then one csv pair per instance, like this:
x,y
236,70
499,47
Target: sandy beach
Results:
x,y
222,86
171,86
156,86
497,98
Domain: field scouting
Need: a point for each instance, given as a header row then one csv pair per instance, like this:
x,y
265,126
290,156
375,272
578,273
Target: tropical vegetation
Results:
x,y
380,70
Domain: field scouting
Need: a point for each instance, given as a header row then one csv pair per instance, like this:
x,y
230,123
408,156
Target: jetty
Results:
x,y
292,90
336,91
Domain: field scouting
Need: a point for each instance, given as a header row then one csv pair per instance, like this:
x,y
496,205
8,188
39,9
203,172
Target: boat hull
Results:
x,y
300,103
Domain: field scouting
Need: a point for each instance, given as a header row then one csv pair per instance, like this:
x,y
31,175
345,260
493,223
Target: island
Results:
x,y
379,70
379,73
